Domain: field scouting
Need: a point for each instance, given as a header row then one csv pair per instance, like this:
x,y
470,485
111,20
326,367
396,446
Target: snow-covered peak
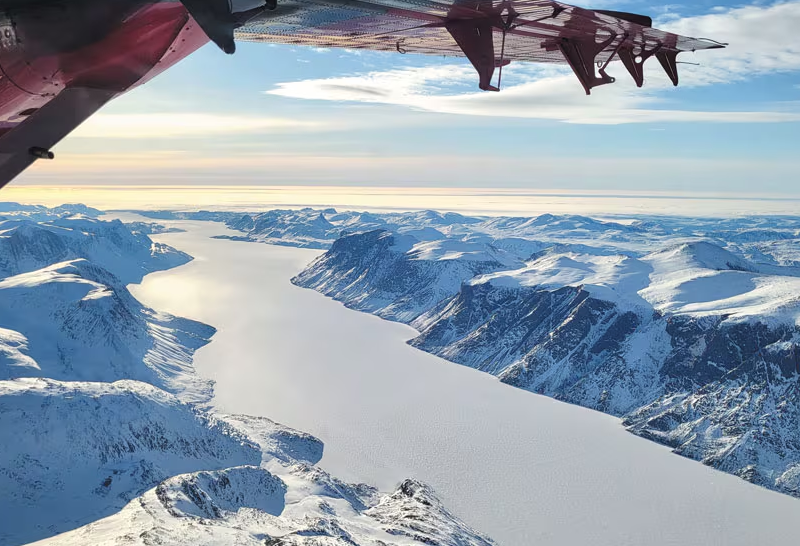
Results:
x,y
76,275
431,218
40,213
703,279
304,228
551,223
95,445
76,321
27,246
452,249
14,355
698,254
615,278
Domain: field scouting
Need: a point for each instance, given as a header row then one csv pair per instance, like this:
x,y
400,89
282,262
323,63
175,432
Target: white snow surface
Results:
x,y
86,436
698,279
523,468
449,249
75,321
616,278
702,279
75,451
27,246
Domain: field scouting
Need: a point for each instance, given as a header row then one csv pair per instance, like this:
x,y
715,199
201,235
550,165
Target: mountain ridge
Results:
x,y
114,439
693,345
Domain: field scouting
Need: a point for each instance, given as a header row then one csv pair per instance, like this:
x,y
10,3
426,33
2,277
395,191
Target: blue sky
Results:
x,y
292,116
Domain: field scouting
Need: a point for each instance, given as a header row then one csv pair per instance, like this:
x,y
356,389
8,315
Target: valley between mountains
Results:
x,y
130,425
108,437
390,410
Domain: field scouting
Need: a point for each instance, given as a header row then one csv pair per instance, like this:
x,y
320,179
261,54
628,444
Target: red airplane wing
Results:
x,y
489,33
61,61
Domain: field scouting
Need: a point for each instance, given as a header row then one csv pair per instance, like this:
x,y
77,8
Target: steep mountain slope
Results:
x,y
107,435
396,276
26,246
693,345
97,445
76,321
765,240
250,505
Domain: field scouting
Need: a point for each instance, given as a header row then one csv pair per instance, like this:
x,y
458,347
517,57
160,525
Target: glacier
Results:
x,y
107,432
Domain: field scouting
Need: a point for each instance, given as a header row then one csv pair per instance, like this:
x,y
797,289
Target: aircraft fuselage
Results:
x,y
110,45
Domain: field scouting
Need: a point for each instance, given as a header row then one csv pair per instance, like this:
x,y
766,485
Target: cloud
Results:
x,y
763,40
679,174
180,125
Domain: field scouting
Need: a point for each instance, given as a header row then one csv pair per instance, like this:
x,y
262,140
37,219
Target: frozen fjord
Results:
x,y
522,468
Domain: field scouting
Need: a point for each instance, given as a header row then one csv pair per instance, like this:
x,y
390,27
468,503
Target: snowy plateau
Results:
x,y
686,328
107,435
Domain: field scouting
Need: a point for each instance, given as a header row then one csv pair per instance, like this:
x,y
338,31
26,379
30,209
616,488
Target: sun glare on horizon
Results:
x,y
483,201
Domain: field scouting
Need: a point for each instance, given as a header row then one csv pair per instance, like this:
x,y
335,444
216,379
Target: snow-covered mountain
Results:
x,y
141,467
40,213
66,314
303,228
397,276
81,451
761,239
75,321
106,433
668,323
26,246
302,505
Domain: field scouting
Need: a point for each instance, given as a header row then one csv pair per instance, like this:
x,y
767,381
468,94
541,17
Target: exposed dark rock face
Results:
x,y
390,275
721,392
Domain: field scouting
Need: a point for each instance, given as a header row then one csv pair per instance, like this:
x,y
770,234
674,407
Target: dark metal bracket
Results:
x,y
581,57
669,62
635,63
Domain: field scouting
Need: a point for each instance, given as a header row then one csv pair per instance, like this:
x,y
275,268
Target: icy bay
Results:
x,y
522,468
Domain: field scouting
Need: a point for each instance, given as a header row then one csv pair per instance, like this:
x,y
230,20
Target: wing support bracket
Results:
x,y
669,62
475,37
635,63
581,55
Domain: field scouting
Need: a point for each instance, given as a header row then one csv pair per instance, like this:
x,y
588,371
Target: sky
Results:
x,y
297,116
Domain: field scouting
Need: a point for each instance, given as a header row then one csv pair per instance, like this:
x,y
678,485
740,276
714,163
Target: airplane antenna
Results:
x,y
502,58
507,22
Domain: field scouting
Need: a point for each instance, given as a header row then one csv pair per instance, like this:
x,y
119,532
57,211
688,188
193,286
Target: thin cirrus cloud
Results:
x,y
763,41
188,124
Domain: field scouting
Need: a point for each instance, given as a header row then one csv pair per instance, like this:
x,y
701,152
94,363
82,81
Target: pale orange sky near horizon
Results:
x,y
486,201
